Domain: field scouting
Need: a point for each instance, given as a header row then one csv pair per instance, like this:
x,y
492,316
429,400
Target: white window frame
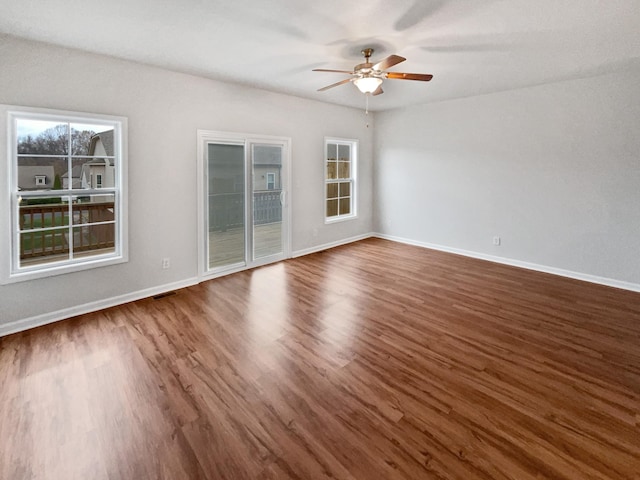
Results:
x,y
41,179
353,144
271,176
10,269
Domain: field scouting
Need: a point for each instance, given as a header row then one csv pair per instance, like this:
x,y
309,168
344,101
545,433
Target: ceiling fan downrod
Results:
x,y
367,52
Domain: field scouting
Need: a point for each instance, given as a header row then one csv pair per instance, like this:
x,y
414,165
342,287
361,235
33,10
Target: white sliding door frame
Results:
x,y
247,140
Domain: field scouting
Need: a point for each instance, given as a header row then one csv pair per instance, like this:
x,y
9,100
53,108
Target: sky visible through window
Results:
x,y
36,127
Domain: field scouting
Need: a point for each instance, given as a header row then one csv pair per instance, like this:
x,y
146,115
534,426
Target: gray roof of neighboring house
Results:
x,y
75,172
76,177
100,161
107,142
27,177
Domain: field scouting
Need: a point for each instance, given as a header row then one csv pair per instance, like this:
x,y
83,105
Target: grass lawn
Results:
x,y
52,240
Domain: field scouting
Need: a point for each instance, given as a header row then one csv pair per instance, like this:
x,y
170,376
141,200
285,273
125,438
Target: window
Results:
x,y
340,178
61,223
271,181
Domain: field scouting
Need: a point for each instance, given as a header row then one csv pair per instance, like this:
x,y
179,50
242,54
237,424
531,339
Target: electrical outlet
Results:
x,y
496,241
166,263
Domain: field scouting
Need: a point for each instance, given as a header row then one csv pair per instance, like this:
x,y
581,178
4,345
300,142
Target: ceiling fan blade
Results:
x,y
378,91
341,82
326,70
424,77
389,62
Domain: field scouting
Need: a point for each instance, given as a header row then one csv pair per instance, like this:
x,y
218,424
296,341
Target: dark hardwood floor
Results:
x,y
374,360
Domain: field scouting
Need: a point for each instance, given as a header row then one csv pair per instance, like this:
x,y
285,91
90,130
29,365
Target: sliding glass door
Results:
x,y
243,201
226,205
268,199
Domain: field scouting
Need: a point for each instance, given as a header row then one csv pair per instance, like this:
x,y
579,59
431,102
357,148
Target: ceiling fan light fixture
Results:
x,y
367,84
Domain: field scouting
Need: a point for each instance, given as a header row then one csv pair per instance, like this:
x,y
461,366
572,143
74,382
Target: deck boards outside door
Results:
x,y
223,245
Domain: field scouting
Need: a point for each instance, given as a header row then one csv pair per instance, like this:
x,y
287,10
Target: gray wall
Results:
x,y
554,170
164,111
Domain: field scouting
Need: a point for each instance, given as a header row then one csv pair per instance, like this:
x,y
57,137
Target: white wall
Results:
x,y
554,170
164,110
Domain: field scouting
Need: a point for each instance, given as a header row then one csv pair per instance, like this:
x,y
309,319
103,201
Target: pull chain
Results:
x,y
366,111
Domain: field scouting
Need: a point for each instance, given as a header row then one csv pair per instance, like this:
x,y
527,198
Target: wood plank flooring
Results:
x,y
374,360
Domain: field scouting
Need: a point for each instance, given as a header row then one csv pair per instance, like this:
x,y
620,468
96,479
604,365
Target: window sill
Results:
x,y
23,276
342,218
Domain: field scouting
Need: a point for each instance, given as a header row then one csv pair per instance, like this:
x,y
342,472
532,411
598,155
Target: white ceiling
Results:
x,y
470,46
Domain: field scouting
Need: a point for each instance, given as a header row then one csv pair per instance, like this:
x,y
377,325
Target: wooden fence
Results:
x,y
226,210
54,241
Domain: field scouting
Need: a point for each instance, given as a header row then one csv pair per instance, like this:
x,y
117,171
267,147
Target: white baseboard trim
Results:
x,y
326,246
609,282
46,318
51,317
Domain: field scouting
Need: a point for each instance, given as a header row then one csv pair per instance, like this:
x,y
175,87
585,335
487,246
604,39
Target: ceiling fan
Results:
x,y
368,77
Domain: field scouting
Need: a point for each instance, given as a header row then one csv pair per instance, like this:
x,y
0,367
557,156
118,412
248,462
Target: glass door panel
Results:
x,y
226,205
243,205
266,164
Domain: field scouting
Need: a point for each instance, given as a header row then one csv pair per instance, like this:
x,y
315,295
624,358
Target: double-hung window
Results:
x,y
340,178
76,218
